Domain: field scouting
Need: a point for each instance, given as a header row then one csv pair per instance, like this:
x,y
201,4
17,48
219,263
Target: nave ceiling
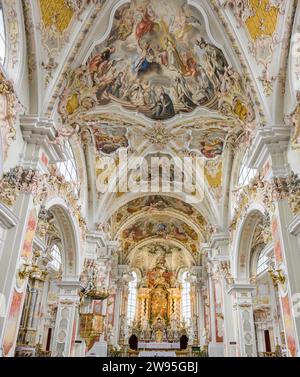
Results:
x,y
159,78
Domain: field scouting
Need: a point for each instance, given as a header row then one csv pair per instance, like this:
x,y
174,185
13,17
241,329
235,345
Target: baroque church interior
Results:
x,y
94,261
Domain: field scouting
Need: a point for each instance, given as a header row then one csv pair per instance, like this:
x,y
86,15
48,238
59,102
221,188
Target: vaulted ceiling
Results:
x,y
164,78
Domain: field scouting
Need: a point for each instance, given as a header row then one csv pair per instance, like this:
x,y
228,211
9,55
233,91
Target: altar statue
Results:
x,y
159,336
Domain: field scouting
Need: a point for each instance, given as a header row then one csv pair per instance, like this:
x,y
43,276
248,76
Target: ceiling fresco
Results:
x,y
164,223
152,203
210,143
204,138
108,138
157,85
158,60
159,227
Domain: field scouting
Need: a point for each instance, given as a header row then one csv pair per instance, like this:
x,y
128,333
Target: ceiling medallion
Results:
x,y
159,135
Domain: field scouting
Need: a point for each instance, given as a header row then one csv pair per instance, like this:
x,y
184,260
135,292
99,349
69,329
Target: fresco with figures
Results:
x,y
158,60
109,139
153,203
159,226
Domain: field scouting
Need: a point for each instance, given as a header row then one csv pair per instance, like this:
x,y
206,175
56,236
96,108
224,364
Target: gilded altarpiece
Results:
x,y
159,301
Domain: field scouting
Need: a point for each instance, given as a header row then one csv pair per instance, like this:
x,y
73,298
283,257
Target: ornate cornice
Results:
x,y
219,239
241,287
41,132
41,186
268,142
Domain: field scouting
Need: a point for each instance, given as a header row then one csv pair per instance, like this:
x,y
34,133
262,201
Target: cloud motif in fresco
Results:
x,y
158,60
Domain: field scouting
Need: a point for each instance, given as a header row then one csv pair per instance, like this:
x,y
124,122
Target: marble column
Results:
x,y
122,270
199,313
199,305
287,258
12,289
221,259
275,313
242,294
230,335
213,337
66,320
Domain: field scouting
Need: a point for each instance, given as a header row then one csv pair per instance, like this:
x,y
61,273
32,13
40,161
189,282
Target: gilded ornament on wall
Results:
x,y
260,19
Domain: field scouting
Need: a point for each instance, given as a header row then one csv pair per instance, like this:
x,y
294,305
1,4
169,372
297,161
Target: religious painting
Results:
x,y
97,307
109,138
158,60
213,173
159,303
144,258
158,203
94,272
56,14
210,142
160,227
159,276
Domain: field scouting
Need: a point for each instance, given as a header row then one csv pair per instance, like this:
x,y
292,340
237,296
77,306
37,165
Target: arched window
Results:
x,y
246,174
262,263
2,35
56,258
68,168
131,306
185,298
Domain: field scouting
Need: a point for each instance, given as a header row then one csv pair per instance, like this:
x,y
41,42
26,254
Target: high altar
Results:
x,y
158,307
